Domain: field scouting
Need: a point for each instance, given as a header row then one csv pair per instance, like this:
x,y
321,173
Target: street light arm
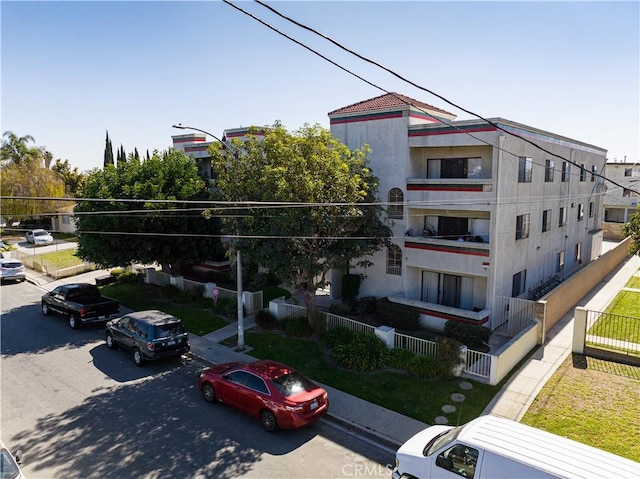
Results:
x,y
228,146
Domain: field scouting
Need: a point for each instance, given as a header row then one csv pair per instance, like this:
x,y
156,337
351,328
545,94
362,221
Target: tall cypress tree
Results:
x,y
108,151
135,154
122,154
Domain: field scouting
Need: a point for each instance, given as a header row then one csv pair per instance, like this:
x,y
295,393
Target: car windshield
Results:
x,y
441,440
12,264
293,383
40,233
8,467
166,330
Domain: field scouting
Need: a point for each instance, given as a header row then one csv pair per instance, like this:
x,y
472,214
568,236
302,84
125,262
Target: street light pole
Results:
x,y
240,346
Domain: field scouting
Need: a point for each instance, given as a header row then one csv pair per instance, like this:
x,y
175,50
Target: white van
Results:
x,y
9,468
493,447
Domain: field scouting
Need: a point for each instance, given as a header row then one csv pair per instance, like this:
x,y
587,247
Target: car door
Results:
x,y
121,332
56,299
456,460
253,395
228,389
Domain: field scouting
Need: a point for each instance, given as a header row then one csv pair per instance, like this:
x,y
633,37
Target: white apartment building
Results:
x,y
477,213
621,198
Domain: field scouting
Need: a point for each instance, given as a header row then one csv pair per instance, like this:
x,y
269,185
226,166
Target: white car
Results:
x,y
12,270
39,237
9,463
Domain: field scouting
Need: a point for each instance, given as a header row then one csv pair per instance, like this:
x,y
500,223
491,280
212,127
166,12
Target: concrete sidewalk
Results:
x,y
518,393
393,429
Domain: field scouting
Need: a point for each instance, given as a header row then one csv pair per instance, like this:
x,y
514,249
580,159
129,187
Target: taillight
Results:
x,y
151,345
294,407
83,312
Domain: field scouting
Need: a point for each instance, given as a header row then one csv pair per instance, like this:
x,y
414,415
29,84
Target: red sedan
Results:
x,y
276,394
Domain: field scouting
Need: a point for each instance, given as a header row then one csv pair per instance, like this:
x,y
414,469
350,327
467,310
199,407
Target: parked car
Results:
x,y
81,302
10,463
149,335
277,395
12,270
39,237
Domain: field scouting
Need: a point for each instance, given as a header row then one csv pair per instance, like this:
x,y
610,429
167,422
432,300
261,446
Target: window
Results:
x,y
457,168
396,204
627,171
522,226
580,211
594,170
519,283
65,219
525,166
583,172
447,290
578,257
546,220
592,209
394,260
560,262
562,220
548,170
459,459
565,171
628,193
632,172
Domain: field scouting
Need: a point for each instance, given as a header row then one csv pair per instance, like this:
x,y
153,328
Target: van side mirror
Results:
x,y
444,462
18,456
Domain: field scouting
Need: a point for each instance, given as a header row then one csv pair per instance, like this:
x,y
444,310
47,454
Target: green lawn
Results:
x,y
634,282
594,402
61,259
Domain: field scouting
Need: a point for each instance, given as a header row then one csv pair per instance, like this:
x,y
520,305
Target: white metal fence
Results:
x,y
512,315
333,321
420,346
478,364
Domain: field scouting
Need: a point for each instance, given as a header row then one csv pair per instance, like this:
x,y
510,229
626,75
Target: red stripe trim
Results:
x,y
382,116
451,317
449,131
470,188
189,140
445,249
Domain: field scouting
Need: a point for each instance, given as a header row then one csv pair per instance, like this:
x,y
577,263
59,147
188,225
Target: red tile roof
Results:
x,y
388,100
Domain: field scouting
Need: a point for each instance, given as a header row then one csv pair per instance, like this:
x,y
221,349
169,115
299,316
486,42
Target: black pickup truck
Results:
x,y
81,302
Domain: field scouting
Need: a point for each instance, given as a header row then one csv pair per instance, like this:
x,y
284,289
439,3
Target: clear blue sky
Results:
x,y
72,70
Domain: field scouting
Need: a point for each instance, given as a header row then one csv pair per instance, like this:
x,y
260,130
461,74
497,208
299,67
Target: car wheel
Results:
x,y
268,421
137,357
208,393
73,322
45,309
110,343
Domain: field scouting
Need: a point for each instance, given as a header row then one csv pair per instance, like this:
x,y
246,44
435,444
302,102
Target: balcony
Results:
x,y
431,252
454,190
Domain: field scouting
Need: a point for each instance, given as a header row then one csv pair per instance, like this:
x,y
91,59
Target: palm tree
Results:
x,y
15,149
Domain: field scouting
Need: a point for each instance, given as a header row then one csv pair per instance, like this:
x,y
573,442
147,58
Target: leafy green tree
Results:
x,y
632,228
72,178
312,204
161,225
108,151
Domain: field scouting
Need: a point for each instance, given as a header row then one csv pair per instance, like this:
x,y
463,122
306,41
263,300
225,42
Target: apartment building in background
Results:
x,y
477,212
621,197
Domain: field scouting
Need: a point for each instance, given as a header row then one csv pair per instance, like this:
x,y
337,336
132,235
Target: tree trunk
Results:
x,y
309,297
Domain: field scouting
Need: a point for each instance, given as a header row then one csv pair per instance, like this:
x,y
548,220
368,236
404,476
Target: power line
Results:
x,y
495,125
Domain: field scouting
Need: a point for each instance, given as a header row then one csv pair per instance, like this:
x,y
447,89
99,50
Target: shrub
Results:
x,y
128,278
400,358
226,306
297,326
367,304
365,352
338,335
448,355
269,293
469,334
350,286
424,366
340,309
265,319
397,315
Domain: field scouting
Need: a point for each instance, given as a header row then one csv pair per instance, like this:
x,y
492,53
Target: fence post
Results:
x,y
579,330
387,334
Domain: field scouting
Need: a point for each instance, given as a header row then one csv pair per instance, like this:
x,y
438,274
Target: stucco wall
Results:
x,y
569,293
